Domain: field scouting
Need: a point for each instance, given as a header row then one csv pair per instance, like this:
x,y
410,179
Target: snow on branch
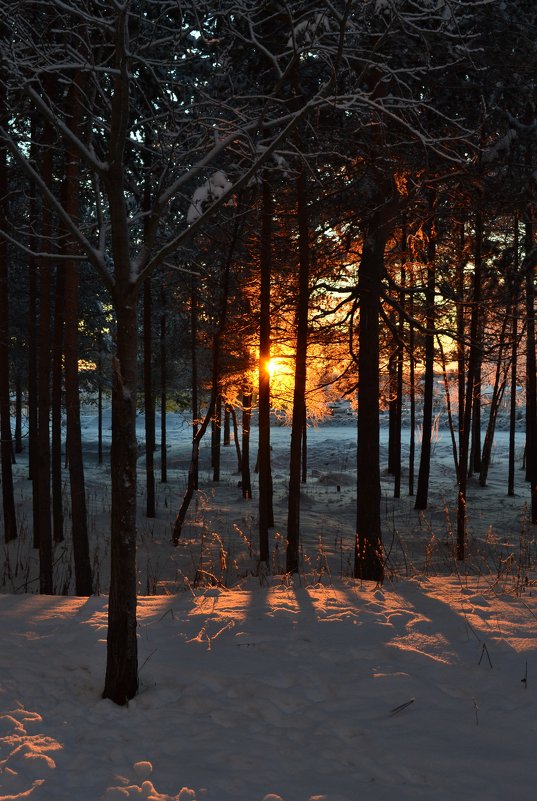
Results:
x,y
502,145
305,32
213,189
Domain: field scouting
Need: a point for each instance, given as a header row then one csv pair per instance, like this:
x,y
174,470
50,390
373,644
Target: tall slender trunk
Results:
x,y
266,512
299,390
246,481
56,406
512,406
447,390
79,516
192,478
163,392
461,360
412,391
476,450
472,372
199,431
100,379
422,493
531,377
18,413
304,446
193,470
43,415
121,681
475,453
32,380
399,359
8,501
392,405
236,438
194,369
500,381
514,358
149,399
216,439
43,440
368,554
149,403
227,425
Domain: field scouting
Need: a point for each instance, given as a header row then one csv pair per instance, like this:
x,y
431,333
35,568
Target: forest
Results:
x,y
243,210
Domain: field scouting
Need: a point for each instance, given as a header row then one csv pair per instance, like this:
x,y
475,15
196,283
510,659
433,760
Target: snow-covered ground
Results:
x,y
316,689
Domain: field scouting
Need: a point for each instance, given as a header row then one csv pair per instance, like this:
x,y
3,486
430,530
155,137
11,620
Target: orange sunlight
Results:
x,y
280,369
277,365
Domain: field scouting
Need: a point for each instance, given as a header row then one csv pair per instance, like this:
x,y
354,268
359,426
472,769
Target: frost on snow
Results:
x,y
213,189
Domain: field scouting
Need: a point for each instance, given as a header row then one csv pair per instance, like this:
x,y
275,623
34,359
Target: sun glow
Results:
x,y
278,365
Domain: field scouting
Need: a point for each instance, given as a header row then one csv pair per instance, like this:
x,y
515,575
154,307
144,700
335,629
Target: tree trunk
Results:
x,y
100,399
495,402
412,399
163,394
368,555
79,516
304,460
227,426
194,367
43,454
246,480
531,378
514,357
266,512
32,380
192,479
18,413
43,434
392,407
8,501
199,431
299,391
447,390
512,407
461,360
422,493
464,424
149,399
216,435
400,356
236,438
121,682
149,404
56,407
475,456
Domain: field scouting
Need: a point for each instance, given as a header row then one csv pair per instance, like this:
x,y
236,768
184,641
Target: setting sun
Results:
x,y
276,365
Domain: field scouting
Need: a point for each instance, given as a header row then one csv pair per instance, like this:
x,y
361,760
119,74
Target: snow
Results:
x,y
213,189
305,31
311,689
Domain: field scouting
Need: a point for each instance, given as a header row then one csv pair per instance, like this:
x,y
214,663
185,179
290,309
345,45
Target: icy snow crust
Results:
x,y
316,689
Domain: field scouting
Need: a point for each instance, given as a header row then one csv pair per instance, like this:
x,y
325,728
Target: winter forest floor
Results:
x,y
316,689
